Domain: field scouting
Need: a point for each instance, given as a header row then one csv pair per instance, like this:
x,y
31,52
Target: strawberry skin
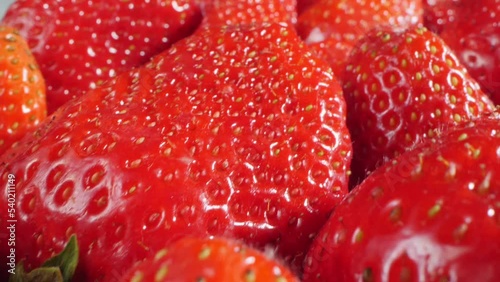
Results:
x,y
237,131
330,23
22,89
208,260
79,44
433,214
474,37
399,87
236,12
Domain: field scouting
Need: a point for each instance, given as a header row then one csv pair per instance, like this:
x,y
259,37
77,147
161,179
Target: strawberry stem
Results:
x,y
59,268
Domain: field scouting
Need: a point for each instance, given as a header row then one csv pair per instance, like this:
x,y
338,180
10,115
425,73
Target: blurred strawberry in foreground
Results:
x,y
474,36
79,44
332,27
208,260
22,89
400,86
236,12
433,214
238,131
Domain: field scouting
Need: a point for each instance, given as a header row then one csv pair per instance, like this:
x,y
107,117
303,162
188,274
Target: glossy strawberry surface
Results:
x,y
236,131
400,86
474,36
209,260
79,44
433,214
332,27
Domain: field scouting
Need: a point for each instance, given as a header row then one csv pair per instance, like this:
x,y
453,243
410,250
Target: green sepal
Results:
x,y
59,268
45,274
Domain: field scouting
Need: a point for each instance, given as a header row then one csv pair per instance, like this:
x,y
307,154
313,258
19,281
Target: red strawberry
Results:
x,y
331,23
208,260
238,131
235,12
79,43
22,89
399,87
475,38
433,214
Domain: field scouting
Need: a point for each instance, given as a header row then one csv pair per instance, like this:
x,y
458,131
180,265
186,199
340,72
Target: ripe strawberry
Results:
x,y
234,12
208,260
22,89
475,38
399,87
238,131
79,43
433,214
331,23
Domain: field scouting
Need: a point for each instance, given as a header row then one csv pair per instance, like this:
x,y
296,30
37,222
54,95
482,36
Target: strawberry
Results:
x,y
400,86
474,36
208,260
236,131
334,26
433,214
235,12
22,89
79,44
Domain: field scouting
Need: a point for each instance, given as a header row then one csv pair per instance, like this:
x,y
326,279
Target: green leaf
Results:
x,y
59,268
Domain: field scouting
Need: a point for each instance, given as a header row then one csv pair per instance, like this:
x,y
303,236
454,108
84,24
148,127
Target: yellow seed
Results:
x,y
418,76
204,254
434,210
161,273
404,63
137,277
453,99
457,118
392,79
435,68
423,97
438,112
454,81
401,97
433,49
437,87
469,90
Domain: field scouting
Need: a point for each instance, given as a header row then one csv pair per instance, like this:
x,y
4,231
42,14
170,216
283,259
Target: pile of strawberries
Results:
x,y
250,140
